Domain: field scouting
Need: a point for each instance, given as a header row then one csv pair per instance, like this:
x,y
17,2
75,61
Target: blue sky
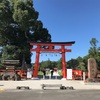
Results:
x,y
70,20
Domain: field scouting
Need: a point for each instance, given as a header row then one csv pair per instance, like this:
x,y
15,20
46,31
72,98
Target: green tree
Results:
x,y
10,52
94,51
54,65
85,60
81,64
73,63
44,65
59,63
19,24
79,59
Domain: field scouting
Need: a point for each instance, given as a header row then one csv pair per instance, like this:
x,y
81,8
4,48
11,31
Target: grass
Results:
x,y
48,72
40,73
60,73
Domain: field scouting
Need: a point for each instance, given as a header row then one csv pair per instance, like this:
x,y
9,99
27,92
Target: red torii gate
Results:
x,y
38,47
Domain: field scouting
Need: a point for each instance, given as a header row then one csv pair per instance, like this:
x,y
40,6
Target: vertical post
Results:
x,y
63,63
84,76
35,71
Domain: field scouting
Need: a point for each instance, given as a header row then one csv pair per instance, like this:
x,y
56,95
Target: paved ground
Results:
x,y
36,84
8,91
50,95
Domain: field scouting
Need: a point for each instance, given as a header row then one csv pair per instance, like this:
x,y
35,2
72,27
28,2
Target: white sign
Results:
x,y
69,74
29,74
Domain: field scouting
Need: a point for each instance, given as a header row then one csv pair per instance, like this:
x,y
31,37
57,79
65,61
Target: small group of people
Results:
x,y
44,73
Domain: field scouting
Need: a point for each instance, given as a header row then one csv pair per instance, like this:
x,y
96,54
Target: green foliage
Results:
x,y
50,64
59,63
24,14
10,52
45,64
94,51
40,73
73,63
60,73
85,60
81,63
81,66
19,24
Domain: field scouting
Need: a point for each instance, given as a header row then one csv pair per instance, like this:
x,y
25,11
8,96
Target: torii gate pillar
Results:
x,y
35,71
64,72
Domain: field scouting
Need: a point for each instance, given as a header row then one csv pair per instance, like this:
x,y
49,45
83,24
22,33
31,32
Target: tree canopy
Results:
x,y
19,24
93,52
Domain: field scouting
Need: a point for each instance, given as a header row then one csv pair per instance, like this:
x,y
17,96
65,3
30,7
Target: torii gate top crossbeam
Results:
x,y
52,43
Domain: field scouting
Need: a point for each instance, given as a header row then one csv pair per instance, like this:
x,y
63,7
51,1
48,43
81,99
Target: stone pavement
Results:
x,y
36,84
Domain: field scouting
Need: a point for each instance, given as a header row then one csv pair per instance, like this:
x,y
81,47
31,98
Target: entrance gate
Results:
x,y
50,47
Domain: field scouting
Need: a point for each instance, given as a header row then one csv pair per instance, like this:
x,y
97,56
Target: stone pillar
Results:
x,y
92,70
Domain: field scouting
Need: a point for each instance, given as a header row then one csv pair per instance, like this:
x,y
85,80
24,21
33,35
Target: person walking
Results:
x,y
44,73
51,73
